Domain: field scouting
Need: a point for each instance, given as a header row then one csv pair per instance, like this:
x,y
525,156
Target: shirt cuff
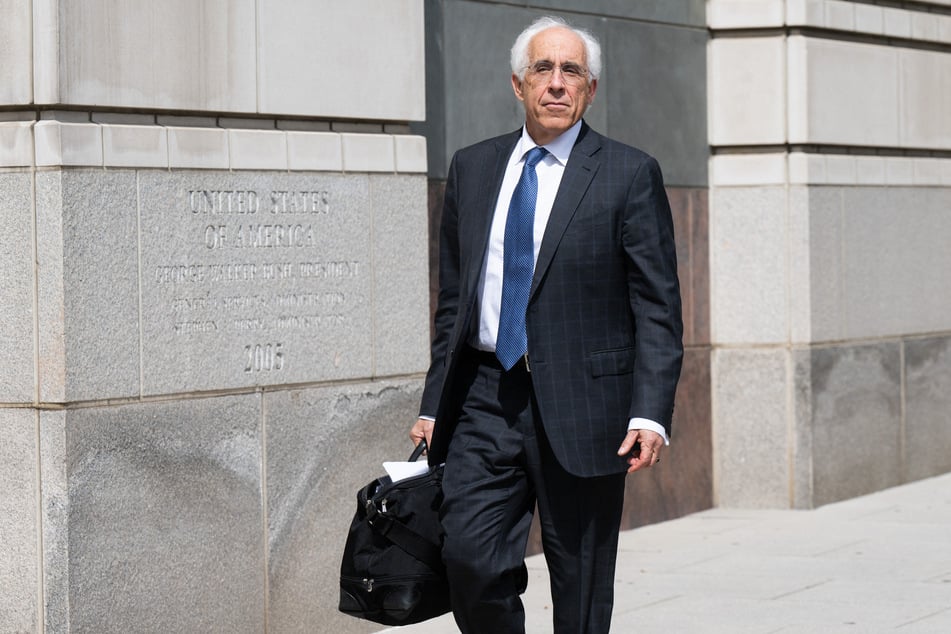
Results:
x,y
425,417
646,423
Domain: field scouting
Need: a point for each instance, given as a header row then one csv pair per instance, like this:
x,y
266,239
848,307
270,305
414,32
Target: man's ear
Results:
x,y
517,87
592,88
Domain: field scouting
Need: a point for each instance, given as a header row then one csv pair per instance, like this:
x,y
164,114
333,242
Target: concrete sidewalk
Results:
x,y
878,563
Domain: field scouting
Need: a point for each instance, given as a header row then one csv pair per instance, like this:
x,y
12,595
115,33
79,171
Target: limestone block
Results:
x,y
928,171
824,261
896,266
840,15
869,19
254,278
50,301
257,149
324,444
737,14
55,520
198,148
870,170
16,51
797,96
751,461
400,281
134,146
368,152
317,151
856,423
306,49
926,98
16,144
748,169
802,492
806,169
19,591
410,153
17,318
805,12
164,518
897,22
87,245
872,271
899,171
840,169
850,95
59,143
747,90
188,56
927,407
748,265
799,269
925,26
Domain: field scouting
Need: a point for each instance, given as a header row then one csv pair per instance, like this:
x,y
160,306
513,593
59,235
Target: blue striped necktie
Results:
x,y
518,264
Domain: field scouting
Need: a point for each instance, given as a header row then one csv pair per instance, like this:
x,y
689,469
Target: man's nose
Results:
x,y
557,79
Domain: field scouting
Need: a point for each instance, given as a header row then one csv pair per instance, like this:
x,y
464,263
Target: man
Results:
x,y
557,344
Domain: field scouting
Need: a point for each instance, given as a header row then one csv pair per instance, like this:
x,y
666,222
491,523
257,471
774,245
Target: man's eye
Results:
x,y
572,70
543,67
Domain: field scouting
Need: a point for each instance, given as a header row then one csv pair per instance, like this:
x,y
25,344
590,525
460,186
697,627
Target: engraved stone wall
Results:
x,y
254,281
157,282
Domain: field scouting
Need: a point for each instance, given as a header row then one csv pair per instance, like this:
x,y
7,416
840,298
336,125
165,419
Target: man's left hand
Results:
x,y
642,447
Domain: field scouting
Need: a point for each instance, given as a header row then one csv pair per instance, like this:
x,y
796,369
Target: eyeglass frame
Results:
x,y
574,79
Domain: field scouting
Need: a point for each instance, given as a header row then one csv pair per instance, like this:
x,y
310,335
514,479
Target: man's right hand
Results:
x,y
423,429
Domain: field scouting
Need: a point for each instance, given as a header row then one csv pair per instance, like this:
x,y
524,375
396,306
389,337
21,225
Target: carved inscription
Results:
x,y
259,269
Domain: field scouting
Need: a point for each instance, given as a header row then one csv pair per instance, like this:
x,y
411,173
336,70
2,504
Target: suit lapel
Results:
x,y
491,173
581,168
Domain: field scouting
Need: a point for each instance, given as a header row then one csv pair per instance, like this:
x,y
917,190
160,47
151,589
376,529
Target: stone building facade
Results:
x,y
216,262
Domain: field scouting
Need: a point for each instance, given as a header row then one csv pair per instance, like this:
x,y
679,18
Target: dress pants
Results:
x,y
498,466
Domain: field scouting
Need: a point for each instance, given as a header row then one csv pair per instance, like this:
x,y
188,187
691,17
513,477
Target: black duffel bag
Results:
x,y
392,571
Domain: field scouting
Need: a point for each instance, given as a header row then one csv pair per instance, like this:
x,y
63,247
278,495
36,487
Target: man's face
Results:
x,y
554,100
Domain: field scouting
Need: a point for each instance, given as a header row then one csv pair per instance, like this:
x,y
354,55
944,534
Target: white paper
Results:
x,y
402,470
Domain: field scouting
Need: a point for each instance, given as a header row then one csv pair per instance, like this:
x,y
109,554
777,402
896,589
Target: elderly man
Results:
x,y
557,344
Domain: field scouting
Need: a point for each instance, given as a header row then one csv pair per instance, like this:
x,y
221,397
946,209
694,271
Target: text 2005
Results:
x,y
264,357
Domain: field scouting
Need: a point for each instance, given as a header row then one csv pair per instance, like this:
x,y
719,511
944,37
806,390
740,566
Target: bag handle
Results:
x,y
418,451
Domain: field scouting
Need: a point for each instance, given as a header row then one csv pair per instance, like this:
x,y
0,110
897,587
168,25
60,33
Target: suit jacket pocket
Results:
x,y
607,362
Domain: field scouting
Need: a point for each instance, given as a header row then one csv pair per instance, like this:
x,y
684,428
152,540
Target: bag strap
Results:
x,y
409,540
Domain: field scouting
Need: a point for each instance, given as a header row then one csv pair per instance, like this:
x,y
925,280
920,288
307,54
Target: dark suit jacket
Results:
x,y
604,323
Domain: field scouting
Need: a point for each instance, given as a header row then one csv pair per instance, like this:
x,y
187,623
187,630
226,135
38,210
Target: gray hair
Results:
x,y
520,48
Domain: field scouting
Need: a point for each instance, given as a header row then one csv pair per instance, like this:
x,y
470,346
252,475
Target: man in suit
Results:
x,y
557,345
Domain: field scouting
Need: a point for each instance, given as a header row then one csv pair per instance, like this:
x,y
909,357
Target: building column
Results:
x,y
830,268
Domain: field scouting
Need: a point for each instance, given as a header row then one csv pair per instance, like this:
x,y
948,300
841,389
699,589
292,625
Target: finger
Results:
x,y
628,444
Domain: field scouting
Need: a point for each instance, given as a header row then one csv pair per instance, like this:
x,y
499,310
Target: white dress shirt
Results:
x,y
549,171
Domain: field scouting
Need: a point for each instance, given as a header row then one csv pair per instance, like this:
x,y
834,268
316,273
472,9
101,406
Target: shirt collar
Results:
x,y
560,148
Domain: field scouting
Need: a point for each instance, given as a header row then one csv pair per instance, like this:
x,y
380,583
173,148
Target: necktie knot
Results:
x,y
535,155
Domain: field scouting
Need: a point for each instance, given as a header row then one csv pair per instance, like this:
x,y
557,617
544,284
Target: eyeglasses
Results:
x,y
543,71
